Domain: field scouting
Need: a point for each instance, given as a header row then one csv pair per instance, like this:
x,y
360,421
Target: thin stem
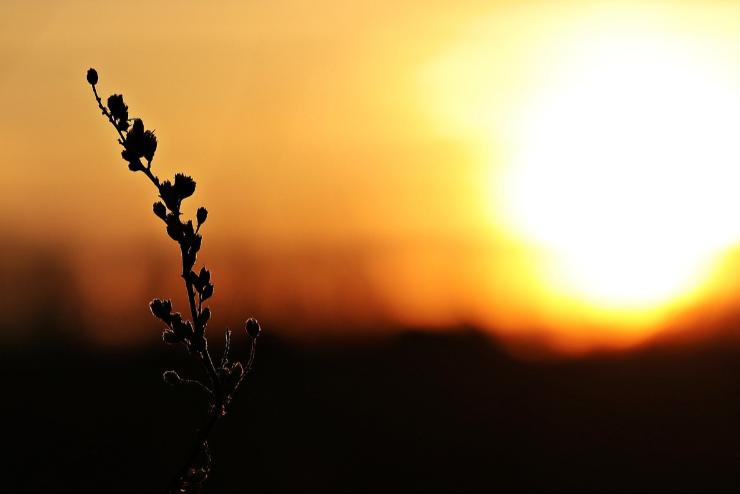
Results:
x,y
248,368
201,440
195,382
152,177
107,113
227,347
252,353
199,333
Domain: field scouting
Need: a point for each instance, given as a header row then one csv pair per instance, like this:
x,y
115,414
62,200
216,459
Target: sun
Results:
x,y
604,152
625,168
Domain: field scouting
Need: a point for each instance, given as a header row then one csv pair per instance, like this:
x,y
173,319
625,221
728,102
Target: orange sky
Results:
x,y
362,161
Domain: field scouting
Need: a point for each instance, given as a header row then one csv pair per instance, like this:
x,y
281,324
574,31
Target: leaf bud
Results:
x,y
253,327
201,215
204,276
207,291
170,337
161,309
160,210
171,378
205,316
92,76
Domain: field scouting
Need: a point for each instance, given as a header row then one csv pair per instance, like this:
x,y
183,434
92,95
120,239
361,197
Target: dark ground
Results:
x,y
418,412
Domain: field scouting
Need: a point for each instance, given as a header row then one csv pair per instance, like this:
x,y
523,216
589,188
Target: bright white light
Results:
x,y
626,170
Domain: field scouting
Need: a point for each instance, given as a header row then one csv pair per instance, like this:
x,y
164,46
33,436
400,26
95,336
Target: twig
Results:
x,y
139,143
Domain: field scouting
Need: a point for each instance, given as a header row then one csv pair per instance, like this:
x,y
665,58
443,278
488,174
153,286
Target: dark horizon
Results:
x,y
416,412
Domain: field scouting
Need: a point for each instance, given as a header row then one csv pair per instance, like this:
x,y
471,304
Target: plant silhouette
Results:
x,y
222,380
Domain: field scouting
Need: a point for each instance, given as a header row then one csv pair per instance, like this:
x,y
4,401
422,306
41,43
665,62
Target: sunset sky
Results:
x,y
565,172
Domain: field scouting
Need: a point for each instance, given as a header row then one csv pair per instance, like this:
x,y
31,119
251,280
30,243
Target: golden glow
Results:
x,y
625,168
610,139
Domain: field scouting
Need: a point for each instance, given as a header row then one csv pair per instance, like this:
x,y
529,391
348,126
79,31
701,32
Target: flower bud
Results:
x,y
204,276
205,316
171,378
135,165
117,107
237,369
168,195
252,327
149,145
92,76
201,215
207,291
232,376
183,329
161,309
160,210
175,319
138,127
184,185
170,337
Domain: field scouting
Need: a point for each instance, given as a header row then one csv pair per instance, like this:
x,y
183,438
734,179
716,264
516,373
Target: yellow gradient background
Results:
x,y
558,173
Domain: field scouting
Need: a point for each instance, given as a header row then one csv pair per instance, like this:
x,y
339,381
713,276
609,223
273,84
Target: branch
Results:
x,y
139,143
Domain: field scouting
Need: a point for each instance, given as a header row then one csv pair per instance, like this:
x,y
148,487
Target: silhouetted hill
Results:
x,y
421,411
